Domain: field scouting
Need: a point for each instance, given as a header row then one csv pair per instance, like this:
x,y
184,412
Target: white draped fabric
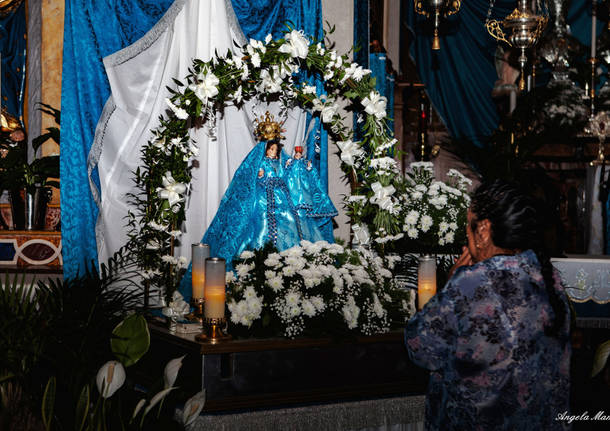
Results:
x,y
138,78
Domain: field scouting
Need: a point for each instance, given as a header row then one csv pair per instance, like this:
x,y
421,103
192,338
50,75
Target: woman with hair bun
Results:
x,y
496,337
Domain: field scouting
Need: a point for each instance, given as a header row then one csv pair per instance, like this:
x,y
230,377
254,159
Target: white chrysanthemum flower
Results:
x,y
246,254
425,223
275,283
308,308
294,311
453,226
412,233
242,270
412,217
443,227
297,263
288,271
270,274
249,292
449,237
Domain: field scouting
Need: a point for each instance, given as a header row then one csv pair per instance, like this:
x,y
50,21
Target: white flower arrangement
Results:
x,y
313,289
434,212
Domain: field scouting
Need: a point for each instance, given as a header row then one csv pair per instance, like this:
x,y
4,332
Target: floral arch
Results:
x,y
266,70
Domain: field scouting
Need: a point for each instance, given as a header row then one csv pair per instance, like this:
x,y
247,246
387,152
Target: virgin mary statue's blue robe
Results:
x,y
284,206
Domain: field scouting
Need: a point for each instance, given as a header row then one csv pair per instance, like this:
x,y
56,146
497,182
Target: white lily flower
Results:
x,y
269,84
382,196
206,86
110,378
296,44
375,104
237,96
138,407
256,60
172,190
192,408
361,234
179,112
158,397
350,151
171,372
268,38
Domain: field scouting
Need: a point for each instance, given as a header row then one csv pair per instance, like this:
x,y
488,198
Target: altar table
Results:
x,y
587,282
289,376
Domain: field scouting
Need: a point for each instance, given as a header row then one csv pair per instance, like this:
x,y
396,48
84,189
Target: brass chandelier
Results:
x,y
437,8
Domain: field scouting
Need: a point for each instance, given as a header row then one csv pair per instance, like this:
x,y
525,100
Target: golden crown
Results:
x,y
267,128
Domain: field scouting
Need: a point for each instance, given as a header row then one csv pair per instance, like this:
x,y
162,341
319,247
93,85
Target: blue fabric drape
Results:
x,y
459,78
92,30
13,48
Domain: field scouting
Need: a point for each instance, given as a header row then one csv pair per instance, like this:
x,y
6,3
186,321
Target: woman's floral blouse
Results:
x,y
482,337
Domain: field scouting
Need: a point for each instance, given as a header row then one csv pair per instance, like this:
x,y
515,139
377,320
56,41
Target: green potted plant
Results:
x,y
29,183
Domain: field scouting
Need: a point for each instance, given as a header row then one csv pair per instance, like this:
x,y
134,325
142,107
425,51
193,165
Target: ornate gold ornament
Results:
x,y
267,129
525,27
437,8
8,6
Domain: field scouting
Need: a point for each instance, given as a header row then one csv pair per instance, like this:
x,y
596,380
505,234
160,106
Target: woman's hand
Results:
x,y
465,259
261,173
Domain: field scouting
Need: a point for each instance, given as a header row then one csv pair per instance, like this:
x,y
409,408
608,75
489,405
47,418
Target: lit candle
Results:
x,y
200,252
214,306
426,280
593,28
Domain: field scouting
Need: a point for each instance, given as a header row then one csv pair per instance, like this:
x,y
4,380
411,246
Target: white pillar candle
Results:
x,y
200,252
214,306
426,280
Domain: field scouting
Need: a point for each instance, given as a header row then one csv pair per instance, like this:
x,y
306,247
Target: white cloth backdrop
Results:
x,y
138,76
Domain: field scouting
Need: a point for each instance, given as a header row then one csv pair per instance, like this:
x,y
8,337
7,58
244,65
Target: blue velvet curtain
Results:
x,y
94,29
13,48
459,78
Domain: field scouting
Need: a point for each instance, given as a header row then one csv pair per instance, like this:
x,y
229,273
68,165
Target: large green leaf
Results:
x,y
600,358
130,339
48,403
82,409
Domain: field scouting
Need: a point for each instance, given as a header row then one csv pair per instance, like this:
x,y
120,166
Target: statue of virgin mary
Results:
x,y
269,200
264,202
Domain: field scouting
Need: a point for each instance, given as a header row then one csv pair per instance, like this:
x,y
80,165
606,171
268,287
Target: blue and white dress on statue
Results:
x,y
283,207
274,217
314,206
